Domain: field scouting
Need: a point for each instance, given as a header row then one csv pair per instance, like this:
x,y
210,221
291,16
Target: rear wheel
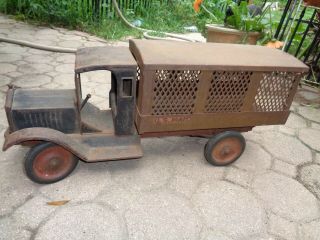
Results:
x,y
224,148
49,163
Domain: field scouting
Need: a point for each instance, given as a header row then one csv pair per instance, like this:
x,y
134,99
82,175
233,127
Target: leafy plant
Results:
x,y
240,18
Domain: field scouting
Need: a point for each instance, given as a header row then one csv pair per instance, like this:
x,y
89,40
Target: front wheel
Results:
x,y
224,148
49,163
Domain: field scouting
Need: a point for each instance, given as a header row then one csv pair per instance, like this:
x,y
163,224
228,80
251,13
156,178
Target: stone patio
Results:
x,y
271,192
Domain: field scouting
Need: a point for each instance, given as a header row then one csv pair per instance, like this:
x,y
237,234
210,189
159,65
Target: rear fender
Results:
x,y
45,134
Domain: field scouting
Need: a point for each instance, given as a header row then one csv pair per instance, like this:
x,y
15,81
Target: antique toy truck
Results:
x,y
158,88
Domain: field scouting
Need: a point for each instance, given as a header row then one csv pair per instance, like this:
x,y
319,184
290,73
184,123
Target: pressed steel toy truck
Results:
x,y
158,88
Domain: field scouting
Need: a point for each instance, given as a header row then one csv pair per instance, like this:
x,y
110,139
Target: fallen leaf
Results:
x,y
58,203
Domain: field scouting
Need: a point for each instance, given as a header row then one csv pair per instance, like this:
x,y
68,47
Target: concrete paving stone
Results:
x,y
190,166
94,44
3,120
287,130
286,148
47,37
85,221
3,28
100,77
69,37
13,49
318,158
253,136
310,177
14,75
51,85
66,68
161,215
9,57
2,100
295,121
23,28
85,183
140,174
118,197
315,126
102,103
15,187
20,62
66,58
9,229
254,159
285,168
310,96
230,208
4,80
261,129
26,37
286,197
47,42
310,113
48,31
238,176
70,44
33,51
310,137
310,231
39,59
32,80
215,235
35,68
102,90
120,44
64,78
7,68
33,212
283,228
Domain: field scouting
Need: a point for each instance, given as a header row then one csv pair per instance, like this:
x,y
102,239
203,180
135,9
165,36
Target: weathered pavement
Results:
x,y
271,192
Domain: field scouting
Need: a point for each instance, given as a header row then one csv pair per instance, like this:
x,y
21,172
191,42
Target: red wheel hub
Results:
x,y
227,150
52,163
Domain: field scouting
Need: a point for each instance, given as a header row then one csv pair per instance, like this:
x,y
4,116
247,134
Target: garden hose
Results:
x,y
38,46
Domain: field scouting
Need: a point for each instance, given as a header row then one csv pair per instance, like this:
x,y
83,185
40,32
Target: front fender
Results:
x,y
48,135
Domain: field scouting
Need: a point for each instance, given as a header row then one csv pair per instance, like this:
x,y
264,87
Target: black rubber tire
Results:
x,y
212,143
29,166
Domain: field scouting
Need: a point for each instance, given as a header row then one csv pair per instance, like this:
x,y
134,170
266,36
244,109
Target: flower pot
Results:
x,y
314,3
220,34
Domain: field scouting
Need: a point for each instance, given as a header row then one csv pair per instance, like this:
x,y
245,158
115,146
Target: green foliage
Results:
x,y
81,14
241,18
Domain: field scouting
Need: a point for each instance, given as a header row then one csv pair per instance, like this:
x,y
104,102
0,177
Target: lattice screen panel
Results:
x,y
274,90
175,92
227,91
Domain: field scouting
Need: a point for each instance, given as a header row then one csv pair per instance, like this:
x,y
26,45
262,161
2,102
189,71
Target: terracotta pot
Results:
x,y
220,34
315,3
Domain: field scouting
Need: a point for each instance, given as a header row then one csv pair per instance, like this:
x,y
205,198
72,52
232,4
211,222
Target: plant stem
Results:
x,y
210,13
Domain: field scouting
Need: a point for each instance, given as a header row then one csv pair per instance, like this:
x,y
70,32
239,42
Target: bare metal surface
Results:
x,y
153,55
103,58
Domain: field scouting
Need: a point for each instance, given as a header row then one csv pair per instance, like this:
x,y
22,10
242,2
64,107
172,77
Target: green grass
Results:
x,y
77,14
